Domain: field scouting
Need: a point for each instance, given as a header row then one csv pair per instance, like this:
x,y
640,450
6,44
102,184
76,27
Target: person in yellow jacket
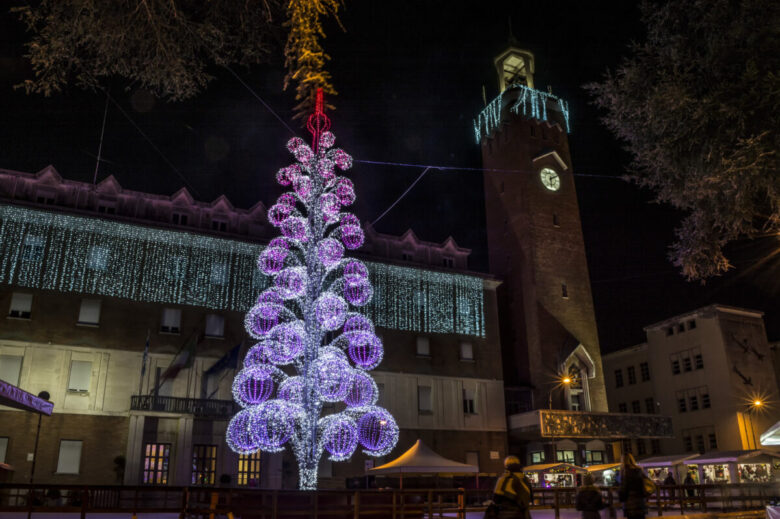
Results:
x,y
513,494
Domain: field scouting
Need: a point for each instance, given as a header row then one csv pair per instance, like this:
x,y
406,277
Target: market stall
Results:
x,y
606,474
550,475
658,468
755,466
422,460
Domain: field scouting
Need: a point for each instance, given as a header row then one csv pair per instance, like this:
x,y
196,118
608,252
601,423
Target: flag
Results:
x,y
228,361
182,360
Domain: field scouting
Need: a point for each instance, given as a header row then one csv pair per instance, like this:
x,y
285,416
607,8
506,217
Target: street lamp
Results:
x,y
564,381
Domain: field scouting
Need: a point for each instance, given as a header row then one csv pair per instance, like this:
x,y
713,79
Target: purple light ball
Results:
x,y
241,437
291,390
285,343
358,292
302,186
330,205
295,143
325,168
294,228
345,192
377,430
286,175
349,219
287,200
358,323
340,438
327,139
330,311
334,377
341,158
352,236
253,386
273,422
278,213
271,260
365,349
355,270
291,282
279,242
303,154
330,251
261,318
256,355
362,392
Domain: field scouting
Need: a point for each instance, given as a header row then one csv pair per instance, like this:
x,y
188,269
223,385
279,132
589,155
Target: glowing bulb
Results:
x,y
566,380
758,403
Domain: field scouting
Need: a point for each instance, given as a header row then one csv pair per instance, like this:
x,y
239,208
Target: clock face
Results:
x,y
550,179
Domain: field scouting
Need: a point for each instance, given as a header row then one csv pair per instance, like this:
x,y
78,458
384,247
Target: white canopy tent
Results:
x,y
421,459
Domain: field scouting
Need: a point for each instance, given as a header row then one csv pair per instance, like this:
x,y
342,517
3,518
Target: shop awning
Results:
x,y
545,467
665,461
17,398
421,459
755,456
602,467
771,436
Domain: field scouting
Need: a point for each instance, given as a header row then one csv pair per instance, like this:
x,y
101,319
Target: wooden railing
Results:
x,y
344,504
199,407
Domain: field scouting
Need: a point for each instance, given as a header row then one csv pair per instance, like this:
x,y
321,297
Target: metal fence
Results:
x,y
199,407
190,502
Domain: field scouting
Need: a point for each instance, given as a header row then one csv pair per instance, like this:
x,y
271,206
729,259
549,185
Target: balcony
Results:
x,y
198,407
554,423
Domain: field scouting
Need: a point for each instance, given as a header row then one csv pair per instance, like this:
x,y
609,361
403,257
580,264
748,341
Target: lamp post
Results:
x,y
44,395
563,382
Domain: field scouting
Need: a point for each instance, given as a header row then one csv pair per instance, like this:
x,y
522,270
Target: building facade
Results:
x,y
710,370
90,274
556,399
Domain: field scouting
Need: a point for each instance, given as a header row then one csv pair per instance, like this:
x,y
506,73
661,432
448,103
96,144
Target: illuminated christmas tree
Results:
x,y
308,326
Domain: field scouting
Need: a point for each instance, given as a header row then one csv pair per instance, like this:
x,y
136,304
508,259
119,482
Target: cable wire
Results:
x,y
402,195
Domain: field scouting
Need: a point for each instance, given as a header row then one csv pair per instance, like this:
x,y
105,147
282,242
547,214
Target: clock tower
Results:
x,y
535,243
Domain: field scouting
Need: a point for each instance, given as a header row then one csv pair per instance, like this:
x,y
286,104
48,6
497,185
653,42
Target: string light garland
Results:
x,y
308,319
130,261
528,102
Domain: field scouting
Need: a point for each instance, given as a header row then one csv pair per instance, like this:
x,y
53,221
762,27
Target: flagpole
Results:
x,y
162,378
143,362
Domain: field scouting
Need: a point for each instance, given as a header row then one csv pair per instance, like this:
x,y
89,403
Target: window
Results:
x,y
622,407
90,312
705,400
448,262
681,405
472,458
97,258
423,346
466,351
680,327
204,464
469,401
106,209
424,400
669,331
713,441
655,446
157,456
219,273
700,443
249,470
179,218
407,256
533,131
644,371
47,199
10,368
21,306
687,366
33,248
69,458
3,448
171,320
565,456
537,457
675,365
215,325
635,408
80,376
698,361
631,375
692,324
219,225
650,405
687,443
564,291
556,223
694,402
618,378
594,457
641,448
178,267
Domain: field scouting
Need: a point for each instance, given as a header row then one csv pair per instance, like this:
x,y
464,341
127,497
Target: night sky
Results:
x,y
410,77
